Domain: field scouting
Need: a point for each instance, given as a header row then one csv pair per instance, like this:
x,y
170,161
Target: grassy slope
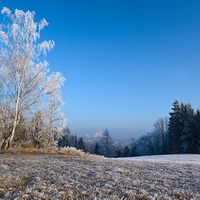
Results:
x,y
45,176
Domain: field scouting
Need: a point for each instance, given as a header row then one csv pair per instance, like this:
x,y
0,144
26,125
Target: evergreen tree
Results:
x,y
126,151
188,130
197,133
64,141
180,127
96,149
75,141
106,148
133,150
181,136
175,128
118,151
81,144
88,144
191,133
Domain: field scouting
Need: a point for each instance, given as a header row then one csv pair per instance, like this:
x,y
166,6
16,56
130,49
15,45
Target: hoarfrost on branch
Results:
x,y
24,77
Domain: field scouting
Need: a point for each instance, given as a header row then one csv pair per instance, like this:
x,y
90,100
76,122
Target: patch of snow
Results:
x,y
177,158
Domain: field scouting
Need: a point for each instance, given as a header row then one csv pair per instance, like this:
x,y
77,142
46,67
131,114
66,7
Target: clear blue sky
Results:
x,y
125,62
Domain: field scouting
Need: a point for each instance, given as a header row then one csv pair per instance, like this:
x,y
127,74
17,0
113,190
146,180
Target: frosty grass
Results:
x,y
45,176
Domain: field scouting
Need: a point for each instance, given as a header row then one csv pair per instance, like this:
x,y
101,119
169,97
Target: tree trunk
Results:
x,y
8,142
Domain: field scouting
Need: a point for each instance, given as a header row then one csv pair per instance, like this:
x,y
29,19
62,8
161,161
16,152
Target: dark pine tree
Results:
x,y
175,128
187,135
81,144
96,149
197,133
64,141
191,133
126,151
133,150
107,144
75,141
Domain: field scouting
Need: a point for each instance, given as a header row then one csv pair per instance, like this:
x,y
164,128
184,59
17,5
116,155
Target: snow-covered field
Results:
x,y
25,176
184,158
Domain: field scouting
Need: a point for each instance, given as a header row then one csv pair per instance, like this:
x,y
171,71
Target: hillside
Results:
x,y
45,176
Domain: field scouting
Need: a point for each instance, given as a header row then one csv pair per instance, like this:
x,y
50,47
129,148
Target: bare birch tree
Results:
x,y
54,118
23,69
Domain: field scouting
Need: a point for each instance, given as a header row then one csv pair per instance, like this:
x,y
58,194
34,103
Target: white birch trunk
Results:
x,y
8,142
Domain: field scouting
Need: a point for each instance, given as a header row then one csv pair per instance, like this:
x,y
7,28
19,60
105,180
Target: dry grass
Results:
x,y
69,151
51,176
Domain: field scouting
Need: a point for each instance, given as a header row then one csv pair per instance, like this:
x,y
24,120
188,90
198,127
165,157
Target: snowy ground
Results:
x,y
184,158
24,176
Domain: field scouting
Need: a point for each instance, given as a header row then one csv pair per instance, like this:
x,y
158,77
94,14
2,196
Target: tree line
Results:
x,y
99,144
178,134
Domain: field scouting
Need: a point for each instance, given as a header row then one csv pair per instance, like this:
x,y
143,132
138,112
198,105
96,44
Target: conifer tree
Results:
x,y
197,133
106,148
64,140
96,149
188,131
81,144
175,128
126,151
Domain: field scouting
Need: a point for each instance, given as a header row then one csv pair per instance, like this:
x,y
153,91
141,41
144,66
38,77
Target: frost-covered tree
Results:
x,y
23,69
71,140
21,133
133,147
5,120
118,150
148,144
88,144
37,129
54,118
97,140
106,148
161,135
64,140
145,145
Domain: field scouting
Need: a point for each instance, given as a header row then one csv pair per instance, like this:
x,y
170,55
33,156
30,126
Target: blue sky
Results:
x,y
125,62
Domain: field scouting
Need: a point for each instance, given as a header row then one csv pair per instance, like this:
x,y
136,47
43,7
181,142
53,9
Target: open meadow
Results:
x,y
81,176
